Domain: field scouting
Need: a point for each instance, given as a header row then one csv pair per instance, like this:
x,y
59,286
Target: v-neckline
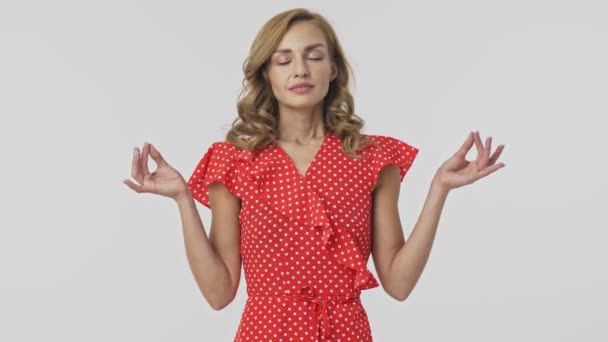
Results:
x,y
312,163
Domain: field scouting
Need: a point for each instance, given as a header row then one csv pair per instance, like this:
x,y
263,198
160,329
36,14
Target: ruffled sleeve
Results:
x,y
218,164
392,151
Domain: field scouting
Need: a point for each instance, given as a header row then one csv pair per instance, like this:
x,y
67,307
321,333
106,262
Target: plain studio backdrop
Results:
x,y
519,255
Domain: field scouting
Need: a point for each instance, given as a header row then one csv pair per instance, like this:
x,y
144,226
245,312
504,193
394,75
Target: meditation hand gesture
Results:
x,y
165,180
457,171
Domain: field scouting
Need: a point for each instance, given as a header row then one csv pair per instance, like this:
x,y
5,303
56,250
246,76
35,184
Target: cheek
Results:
x,y
274,82
324,71
277,84
276,78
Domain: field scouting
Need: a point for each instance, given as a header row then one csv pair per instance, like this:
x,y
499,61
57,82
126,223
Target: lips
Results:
x,y
301,85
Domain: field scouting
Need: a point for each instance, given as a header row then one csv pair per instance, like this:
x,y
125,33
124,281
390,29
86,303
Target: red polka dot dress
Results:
x,y
305,239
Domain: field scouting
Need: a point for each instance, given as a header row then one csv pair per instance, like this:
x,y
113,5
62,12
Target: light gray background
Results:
x,y
519,256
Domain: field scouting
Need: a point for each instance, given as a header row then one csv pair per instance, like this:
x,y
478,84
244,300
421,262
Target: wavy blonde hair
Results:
x,y
257,107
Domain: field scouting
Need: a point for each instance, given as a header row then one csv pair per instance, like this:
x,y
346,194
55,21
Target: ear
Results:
x,y
334,71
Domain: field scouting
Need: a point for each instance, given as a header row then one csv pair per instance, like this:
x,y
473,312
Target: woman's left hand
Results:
x,y
457,171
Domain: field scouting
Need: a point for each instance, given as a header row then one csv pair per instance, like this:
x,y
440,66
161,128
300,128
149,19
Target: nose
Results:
x,y
300,68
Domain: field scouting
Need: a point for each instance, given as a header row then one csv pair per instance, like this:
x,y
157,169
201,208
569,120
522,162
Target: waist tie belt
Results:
x,y
320,303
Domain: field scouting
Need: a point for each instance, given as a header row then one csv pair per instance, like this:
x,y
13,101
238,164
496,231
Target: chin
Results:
x,y
302,102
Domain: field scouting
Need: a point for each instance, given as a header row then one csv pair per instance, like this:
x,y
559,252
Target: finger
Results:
x,y
482,161
497,154
157,156
489,170
466,146
144,159
136,187
136,166
488,147
478,144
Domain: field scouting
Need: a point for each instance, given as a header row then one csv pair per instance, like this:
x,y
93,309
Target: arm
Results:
x,y
215,262
399,263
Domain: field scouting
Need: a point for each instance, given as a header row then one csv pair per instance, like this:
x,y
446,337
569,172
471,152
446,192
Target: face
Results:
x,y
302,57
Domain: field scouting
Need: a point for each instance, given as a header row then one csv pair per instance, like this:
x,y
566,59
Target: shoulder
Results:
x,y
224,147
387,143
381,137
390,150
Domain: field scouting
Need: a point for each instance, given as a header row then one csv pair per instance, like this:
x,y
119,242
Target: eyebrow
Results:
x,y
309,47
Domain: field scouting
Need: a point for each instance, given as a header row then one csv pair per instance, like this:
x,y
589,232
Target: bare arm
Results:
x,y
399,263
215,261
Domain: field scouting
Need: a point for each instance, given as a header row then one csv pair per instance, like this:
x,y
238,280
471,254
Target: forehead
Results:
x,y
300,35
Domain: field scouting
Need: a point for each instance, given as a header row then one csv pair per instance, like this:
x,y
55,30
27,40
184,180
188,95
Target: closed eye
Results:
x,y
314,59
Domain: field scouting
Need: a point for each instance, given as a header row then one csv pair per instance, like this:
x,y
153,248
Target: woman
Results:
x,y
301,197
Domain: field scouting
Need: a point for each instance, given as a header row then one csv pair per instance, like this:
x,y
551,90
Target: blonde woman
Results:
x,y
300,197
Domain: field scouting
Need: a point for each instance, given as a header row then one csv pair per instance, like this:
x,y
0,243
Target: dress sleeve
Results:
x,y
216,165
392,151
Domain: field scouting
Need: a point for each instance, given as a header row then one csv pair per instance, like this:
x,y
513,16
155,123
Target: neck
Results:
x,y
301,125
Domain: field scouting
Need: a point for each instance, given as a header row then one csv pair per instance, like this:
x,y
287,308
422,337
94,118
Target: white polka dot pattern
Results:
x,y
305,240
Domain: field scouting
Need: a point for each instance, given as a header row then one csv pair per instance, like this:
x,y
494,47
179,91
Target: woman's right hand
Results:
x,y
165,180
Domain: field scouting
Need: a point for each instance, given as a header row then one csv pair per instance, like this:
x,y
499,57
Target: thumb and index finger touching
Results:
x,y
150,149
157,156
466,146
143,165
